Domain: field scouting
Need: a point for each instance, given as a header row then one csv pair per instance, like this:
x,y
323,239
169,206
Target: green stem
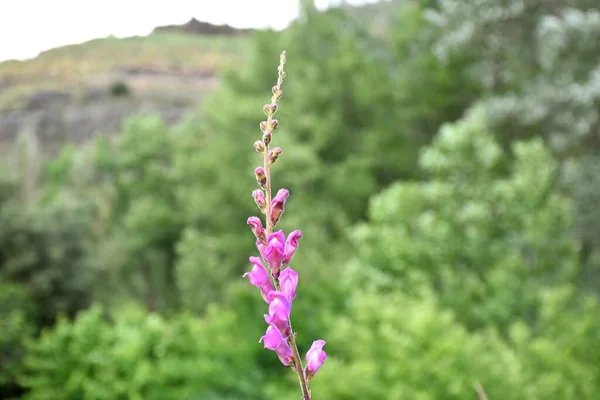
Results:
x,y
298,367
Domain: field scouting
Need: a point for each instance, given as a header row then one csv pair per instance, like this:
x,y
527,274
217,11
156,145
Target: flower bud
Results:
x,y
274,125
267,109
263,126
277,92
259,146
259,199
291,245
261,178
274,154
315,358
257,228
270,109
278,205
267,138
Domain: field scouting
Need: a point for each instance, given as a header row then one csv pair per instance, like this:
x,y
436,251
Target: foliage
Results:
x,y
429,91
142,214
394,346
539,64
17,325
143,356
485,238
549,84
44,249
468,277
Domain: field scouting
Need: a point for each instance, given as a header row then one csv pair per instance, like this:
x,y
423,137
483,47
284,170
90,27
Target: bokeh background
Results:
x,y
443,159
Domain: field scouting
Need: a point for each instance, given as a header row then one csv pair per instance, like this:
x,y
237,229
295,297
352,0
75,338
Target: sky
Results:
x,y
28,27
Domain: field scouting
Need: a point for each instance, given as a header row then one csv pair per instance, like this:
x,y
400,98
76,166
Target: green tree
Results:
x,y
485,232
127,183
44,248
538,63
470,276
391,346
144,210
537,59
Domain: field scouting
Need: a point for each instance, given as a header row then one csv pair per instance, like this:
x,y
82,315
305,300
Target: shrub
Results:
x,y
119,89
143,356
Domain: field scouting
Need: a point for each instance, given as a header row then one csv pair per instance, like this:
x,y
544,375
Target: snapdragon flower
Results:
x,y
276,280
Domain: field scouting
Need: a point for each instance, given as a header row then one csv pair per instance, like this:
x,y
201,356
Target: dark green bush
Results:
x,y
119,89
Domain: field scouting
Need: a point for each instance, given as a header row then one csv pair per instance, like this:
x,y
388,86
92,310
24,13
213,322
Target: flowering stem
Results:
x,y
268,187
298,367
269,229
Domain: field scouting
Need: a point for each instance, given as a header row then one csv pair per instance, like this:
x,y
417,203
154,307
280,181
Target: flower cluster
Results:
x,y
275,279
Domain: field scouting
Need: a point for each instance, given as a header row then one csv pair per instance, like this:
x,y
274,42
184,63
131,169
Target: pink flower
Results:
x,y
289,282
278,205
315,358
290,246
273,251
259,277
257,228
279,312
274,341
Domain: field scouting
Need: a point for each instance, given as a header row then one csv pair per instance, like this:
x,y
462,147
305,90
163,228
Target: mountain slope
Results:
x,y
72,92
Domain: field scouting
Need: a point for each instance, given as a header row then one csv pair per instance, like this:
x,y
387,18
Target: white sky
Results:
x,y
28,27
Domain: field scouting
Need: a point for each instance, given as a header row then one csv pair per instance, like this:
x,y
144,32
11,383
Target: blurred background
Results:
x,y
443,159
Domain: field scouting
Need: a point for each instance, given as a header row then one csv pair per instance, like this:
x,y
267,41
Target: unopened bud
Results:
x,y
259,199
261,178
259,146
278,205
257,228
267,138
263,126
277,92
270,109
274,154
274,125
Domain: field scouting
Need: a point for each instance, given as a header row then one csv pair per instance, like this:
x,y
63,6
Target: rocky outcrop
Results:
x,y
78,123
195,27
57,117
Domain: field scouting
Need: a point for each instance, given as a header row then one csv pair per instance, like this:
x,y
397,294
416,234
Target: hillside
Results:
x,y
72,92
